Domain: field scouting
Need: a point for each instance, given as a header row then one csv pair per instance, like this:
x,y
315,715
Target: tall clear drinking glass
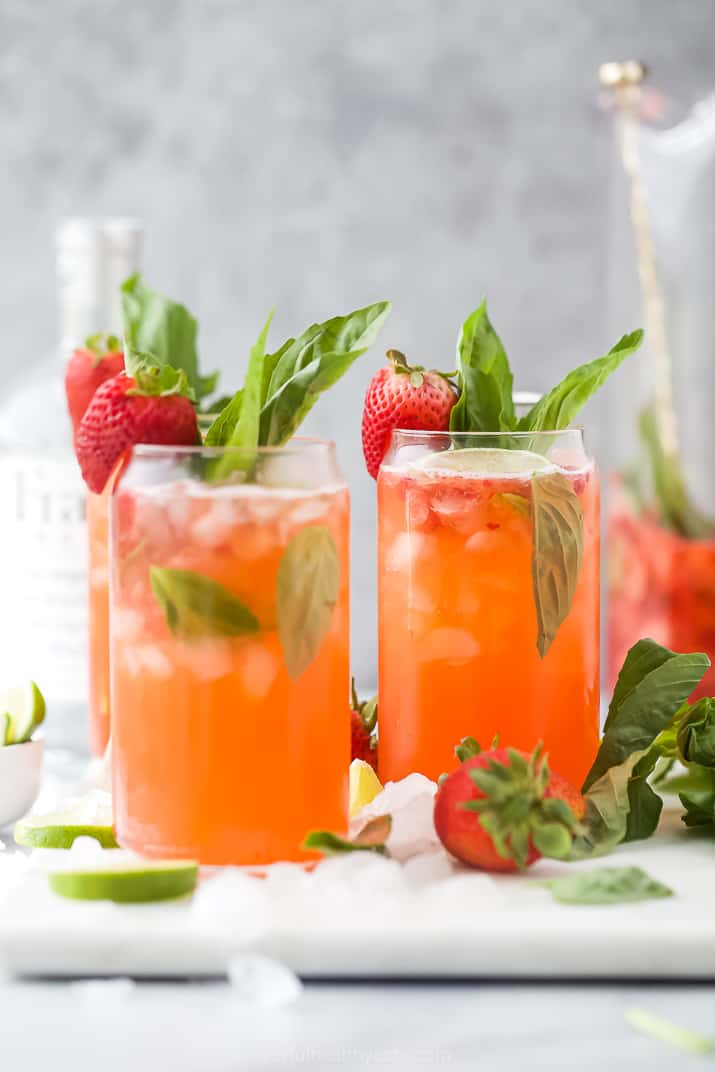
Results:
x,y
488,598
230,651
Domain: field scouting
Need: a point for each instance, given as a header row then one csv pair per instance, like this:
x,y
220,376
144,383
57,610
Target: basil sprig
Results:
x,y
282,387
648,704
164,331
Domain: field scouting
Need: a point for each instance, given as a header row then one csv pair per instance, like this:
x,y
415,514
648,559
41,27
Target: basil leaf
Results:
x,y
696,733
519,503
220,431
607,885
484,378
307,586
164,329
699,799
557,550
305,367
371,838
196,606
653,684
644,804
677,511
605,823
239,423
558,408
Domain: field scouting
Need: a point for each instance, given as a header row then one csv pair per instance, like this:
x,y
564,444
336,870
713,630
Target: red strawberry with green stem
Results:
x,y
88,366
501,810
399,396
152,406
363,719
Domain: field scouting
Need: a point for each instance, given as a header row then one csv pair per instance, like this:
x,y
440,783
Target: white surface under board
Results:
x,y
364,916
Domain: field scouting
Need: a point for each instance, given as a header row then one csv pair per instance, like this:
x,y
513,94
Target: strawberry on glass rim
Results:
x,y
406,397
153,405
87,368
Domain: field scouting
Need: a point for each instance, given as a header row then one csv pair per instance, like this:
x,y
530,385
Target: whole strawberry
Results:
x,y
153,406
399,396
88,366
363,718
501,810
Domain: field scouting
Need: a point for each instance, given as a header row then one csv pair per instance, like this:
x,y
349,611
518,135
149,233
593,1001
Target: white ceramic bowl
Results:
x,y
20,773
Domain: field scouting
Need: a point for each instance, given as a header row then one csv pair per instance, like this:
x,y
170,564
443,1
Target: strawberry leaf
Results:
x,y
158,381
101,344
467,748
515,811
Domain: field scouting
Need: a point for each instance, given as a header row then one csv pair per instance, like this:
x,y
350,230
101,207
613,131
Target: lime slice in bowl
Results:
x,y
60,831
24,706
130,881
487,462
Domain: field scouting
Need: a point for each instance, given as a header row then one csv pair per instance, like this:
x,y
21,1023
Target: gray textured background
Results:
x,y
321,154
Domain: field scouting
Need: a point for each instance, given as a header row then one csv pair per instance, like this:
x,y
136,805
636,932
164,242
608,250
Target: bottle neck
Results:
x,y
93,260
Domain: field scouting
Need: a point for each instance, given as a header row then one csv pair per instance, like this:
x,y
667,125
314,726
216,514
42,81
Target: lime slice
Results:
x,y
487,462
59,832
25,707
364,785
132,881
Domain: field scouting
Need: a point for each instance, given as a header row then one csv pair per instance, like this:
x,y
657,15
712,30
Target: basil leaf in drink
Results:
x,y
164,329
310,364
485,379
607,885
560,405
239,424
371,838
196,606
307,587
677,511
557,550
653,684
519,503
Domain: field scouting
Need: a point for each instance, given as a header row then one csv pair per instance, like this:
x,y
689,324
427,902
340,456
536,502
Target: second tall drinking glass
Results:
x,y
229,654
488,598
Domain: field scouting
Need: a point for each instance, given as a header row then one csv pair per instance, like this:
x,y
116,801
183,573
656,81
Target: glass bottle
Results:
x,y
43,564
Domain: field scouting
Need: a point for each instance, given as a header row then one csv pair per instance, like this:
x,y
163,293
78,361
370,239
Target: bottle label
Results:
x,y
43,574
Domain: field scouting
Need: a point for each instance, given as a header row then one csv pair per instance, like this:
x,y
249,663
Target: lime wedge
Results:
x,y
487,462
24,706
59,832
364,785
132,881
